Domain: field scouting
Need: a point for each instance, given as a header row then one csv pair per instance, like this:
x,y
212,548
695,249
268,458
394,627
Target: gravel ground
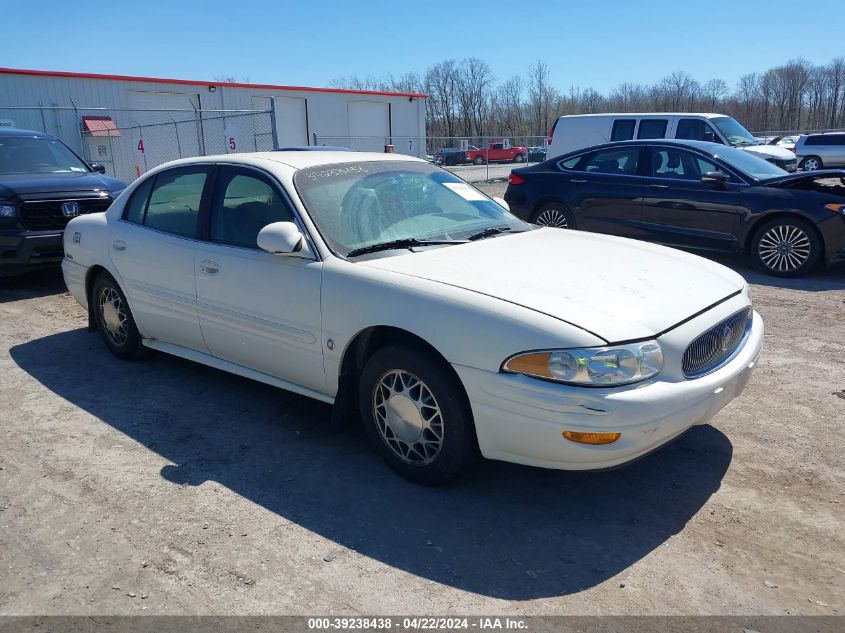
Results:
x,y
165,487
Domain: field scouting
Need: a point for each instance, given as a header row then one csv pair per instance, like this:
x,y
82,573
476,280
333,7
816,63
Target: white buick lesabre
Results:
x,y
398,292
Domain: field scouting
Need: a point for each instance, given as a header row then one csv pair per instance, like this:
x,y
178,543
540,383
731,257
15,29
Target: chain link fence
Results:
x,y
475,159
130,142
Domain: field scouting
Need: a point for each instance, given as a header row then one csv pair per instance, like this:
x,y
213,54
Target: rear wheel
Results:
x,y
786,247
416,415
478,160
555,215
811,163
114,318
519,158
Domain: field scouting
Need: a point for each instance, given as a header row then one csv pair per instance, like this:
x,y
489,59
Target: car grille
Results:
x,y
43,215
716,345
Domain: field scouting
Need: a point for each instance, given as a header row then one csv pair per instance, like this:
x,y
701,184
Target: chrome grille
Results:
x,y
716,345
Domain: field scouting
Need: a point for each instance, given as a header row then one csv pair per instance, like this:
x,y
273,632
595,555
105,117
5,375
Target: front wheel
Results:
x,y
786,247
114,318
811,163
478,160
416,415
519,158
555,215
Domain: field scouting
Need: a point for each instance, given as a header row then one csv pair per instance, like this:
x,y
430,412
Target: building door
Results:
x,y
291,121
369,125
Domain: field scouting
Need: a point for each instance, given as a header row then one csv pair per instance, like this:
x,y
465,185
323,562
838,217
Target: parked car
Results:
x,y
575,132
690,194
395,290
786,142
536,154
817,151
450,156
43,184
496,153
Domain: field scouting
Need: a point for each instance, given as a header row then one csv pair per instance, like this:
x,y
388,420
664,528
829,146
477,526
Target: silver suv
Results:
x,y
817,151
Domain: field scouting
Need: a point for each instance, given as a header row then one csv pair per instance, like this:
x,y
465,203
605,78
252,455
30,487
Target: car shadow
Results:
x,y
32,284
820,280
504,531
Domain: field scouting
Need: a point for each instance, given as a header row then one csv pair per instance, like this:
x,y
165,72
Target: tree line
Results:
x,y
467,100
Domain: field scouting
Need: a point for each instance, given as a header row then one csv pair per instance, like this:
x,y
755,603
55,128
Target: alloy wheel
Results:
x,y
113,316
553,218
811,164
408,417
784,248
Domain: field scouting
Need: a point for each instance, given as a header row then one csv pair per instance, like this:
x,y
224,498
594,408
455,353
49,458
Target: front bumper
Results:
x,y
833,234
520,419
20,248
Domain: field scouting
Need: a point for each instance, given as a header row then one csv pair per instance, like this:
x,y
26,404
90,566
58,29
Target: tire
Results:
x,y
114,318
430,452
554,215
519,158
812,163
786,247
478,160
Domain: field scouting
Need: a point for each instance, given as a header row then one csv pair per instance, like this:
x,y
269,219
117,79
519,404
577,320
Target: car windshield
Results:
x,y
748,163
37,156
357,205
733,131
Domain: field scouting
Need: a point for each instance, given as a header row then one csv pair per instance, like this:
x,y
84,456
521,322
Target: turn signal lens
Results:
x,y
591,438
836,208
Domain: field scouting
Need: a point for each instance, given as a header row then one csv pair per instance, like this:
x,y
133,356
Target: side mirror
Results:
x,y
501,202
715,177
280,238
98,167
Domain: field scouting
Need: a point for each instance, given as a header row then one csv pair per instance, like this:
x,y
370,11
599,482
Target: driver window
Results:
x,y
696,130
243,205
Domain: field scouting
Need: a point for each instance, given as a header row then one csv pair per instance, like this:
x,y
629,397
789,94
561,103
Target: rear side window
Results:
x,y
652,128
825,139
617,161
245,203
175,201
623,130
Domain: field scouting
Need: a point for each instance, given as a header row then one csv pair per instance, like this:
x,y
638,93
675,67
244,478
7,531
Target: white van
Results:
x,y
578,131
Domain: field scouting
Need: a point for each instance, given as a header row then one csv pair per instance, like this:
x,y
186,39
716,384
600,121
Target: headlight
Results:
x,y
8,211
594,366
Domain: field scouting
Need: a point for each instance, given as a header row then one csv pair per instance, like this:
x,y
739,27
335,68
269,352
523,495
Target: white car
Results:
x,y
393,289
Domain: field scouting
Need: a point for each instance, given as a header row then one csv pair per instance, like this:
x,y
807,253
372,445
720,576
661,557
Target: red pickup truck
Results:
x,y
496,153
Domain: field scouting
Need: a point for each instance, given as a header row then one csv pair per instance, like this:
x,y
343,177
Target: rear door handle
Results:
x,y
659,186
209,267
119,246
579,180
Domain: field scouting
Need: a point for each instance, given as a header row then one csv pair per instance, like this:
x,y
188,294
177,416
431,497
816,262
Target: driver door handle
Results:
x,y
659,186
578,180
209,267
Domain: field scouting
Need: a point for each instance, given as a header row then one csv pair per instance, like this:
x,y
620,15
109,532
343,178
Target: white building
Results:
x,y
132,124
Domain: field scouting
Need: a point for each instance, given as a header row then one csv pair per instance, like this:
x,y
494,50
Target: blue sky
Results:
x,y
585,44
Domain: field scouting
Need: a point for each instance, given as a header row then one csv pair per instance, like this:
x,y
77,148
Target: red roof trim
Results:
x,y
189,82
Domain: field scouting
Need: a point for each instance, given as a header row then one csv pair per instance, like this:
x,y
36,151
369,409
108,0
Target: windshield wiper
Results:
x,y
402,243
489,232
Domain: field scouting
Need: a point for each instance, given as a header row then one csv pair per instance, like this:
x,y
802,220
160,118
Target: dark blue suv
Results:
x,y
43,184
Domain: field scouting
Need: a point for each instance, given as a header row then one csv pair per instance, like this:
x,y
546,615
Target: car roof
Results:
x,y
8,132
294,159
630,115
706,146
315,148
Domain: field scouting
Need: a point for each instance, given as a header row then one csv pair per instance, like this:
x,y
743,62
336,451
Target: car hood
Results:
x,y
616,288
770,151
807,176
12,185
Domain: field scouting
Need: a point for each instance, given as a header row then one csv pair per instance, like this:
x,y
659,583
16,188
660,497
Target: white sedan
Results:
x,y
396,291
